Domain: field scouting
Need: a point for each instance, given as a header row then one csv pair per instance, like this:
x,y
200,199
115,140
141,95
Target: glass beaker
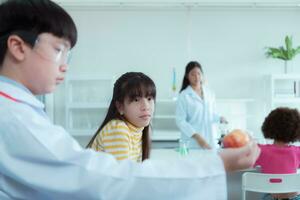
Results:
x,y
183,147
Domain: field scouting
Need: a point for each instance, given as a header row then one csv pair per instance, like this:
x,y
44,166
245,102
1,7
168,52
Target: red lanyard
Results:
x,y
8,97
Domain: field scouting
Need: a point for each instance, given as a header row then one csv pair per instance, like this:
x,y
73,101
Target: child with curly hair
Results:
x,y
282,157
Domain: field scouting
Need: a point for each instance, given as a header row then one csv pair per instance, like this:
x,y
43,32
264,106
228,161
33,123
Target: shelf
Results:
x,y
283,90
158,135
87,105
287,100
165,135
164,117
242,115
166,101
285,77
89,77
87,101
81,133
238,100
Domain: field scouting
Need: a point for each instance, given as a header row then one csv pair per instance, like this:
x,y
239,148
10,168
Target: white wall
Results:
x,y
228,42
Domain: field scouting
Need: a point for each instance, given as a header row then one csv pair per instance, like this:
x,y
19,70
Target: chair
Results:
x,y
270,183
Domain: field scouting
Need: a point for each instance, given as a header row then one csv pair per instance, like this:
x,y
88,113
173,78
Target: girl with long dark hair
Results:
x,y
124,132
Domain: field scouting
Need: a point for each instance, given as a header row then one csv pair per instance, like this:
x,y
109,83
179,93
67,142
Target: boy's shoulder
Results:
x,y
19,119
13,110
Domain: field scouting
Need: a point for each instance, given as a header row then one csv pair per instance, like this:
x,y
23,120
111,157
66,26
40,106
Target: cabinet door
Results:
x,y
284,91
164,125
87,102
89,91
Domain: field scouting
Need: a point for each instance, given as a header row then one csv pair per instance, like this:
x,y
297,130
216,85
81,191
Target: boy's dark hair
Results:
x,y
189,67
130,85
34,17
282,124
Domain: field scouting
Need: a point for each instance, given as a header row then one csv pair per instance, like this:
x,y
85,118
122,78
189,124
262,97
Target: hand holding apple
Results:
x,y
236,138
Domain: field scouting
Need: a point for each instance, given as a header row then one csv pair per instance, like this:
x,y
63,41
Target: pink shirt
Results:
x,y
278,160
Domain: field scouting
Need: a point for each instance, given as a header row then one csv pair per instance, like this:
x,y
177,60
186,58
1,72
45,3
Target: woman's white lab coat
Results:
x,y
196,115
39,160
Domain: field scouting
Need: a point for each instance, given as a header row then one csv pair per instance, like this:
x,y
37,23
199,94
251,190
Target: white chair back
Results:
x,y
270,183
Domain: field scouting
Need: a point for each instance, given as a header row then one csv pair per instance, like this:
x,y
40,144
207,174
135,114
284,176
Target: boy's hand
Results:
x,y
240,158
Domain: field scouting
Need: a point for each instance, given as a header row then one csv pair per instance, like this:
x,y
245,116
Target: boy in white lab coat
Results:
x,y
39,160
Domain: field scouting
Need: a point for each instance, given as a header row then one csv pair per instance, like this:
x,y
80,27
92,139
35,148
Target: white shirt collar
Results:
x,y
190,90
21,94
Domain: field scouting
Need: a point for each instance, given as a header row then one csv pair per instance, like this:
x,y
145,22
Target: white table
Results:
x,y
171,154
234,190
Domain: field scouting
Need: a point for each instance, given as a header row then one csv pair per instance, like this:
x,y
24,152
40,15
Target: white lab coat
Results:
x,y
196,115
39,160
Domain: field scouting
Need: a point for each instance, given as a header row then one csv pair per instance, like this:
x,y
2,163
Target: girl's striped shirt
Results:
x,y
121,139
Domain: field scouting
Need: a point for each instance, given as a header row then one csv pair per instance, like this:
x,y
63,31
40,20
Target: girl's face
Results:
x,y
195,77
138,111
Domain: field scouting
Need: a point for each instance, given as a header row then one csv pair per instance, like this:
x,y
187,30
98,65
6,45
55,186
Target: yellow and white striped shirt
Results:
x,y
121,139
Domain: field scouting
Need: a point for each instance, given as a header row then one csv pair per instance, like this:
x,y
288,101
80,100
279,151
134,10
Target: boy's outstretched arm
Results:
x,y
240,158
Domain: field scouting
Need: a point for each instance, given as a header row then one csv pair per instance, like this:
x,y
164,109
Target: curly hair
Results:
x,y
282,124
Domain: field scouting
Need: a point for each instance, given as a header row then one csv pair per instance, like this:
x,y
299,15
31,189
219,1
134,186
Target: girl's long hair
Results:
x,y
131,85
189,67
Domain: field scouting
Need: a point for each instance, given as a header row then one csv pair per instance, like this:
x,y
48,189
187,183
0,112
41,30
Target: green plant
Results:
x,y
287,53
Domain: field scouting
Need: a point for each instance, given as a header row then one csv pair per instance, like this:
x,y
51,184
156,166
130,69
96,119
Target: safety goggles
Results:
x,y
52,50
48,48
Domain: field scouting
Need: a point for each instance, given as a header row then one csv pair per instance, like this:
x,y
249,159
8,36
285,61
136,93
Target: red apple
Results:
x,y
236,138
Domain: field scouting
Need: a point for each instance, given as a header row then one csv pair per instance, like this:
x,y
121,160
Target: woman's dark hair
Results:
x,y
130,85
282,124
34,17
189,67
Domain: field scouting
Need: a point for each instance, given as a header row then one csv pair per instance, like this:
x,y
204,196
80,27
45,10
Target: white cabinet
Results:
x,y
237,111
283,90
87,100
164,126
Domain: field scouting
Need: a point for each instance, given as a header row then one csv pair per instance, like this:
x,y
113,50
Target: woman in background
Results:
x,y
195,109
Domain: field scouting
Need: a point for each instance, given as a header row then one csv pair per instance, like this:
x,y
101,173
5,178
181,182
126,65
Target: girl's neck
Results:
x,y
133,127
279,143
198,89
